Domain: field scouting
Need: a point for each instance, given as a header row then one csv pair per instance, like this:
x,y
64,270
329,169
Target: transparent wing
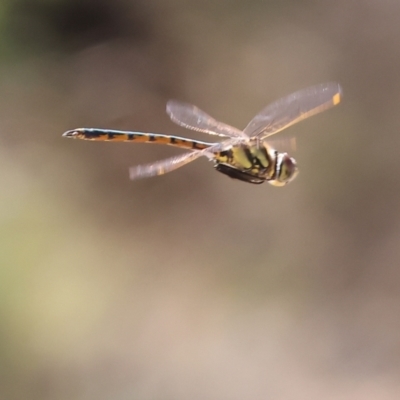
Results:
x,y
283,144
170,164
163,166
191,117
294,108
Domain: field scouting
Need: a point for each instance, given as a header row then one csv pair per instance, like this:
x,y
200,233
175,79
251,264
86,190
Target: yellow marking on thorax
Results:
x,y
260,155
245,158
222,157
240,158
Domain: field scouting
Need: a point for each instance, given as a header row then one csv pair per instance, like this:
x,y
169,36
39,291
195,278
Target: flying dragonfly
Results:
x,y
244,155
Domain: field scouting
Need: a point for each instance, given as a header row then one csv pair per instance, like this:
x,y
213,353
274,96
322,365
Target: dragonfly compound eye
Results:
x,y
286,170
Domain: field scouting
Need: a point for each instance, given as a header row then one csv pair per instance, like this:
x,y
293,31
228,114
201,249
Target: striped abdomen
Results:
x,y
126,136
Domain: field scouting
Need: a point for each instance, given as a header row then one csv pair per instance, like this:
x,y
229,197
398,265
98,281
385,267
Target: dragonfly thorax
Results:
x,y
256,163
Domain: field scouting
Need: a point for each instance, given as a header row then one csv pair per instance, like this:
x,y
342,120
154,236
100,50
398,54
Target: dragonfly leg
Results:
x,y
235,173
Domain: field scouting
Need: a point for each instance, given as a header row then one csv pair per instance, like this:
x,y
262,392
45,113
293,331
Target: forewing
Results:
x,y
191,117
283,144
294,108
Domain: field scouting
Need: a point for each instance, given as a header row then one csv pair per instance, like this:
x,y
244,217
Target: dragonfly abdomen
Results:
x,y
126,136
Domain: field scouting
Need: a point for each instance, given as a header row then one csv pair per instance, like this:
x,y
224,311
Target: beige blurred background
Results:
x,y
192,285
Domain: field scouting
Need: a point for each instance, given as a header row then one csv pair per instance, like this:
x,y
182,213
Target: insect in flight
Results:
x,y
243,155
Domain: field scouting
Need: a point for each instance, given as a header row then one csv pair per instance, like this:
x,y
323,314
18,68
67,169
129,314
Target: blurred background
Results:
x,y
193,285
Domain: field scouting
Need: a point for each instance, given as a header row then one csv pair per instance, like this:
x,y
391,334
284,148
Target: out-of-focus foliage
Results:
x,y
192,285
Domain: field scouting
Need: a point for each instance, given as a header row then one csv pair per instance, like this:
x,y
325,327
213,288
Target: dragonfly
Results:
x,y
245,154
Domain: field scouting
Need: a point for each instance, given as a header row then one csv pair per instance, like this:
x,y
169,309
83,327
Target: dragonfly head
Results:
x,y
286,170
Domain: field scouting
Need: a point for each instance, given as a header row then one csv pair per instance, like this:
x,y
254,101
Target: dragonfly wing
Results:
x,y
170,164
191,117
294,108
283,144
163,166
